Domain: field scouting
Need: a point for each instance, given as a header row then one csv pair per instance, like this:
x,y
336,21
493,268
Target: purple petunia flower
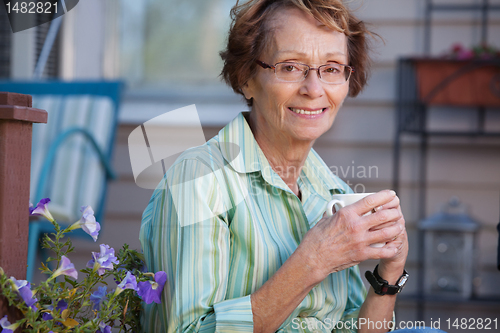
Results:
x,y
6,326
103,260
103,328
23,287
97,297
42,210
87,222
18,284
65,268
151,291
27,296
129,282
60,307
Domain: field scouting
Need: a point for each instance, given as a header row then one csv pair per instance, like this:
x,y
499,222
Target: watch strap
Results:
x,y
381,286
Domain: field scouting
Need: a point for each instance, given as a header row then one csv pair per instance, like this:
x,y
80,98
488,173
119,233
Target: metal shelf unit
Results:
x,y
412,112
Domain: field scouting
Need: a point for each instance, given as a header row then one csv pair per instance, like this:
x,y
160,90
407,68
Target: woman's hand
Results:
x,y
392,268
343,240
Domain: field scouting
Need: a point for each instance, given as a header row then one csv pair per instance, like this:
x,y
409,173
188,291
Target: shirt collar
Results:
x,y
238,146
242,152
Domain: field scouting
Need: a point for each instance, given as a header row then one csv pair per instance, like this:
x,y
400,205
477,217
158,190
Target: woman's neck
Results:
x,y
286,156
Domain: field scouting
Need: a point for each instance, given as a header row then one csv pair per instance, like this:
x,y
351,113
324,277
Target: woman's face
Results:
x,y
276,107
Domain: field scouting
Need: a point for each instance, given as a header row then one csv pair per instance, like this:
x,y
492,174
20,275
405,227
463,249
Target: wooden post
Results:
x,y
16,119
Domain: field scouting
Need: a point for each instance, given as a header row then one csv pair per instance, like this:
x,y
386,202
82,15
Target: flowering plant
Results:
x,y
482,51
61,303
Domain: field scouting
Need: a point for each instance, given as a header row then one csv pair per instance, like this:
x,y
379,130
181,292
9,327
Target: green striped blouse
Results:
x,y
221,223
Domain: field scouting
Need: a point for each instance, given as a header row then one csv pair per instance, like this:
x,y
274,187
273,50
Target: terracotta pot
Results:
x,y
459,83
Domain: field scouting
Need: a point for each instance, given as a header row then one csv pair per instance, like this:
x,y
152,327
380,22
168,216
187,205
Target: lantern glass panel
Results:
x,y
447,261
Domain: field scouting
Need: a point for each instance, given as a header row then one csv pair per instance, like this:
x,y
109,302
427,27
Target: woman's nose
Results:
x,y
312,85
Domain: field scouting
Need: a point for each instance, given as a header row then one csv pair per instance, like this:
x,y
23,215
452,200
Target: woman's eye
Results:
x,y
290,68
332,70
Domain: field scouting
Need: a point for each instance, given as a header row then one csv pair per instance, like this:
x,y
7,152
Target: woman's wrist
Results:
x,y
276,299
308,258
390,273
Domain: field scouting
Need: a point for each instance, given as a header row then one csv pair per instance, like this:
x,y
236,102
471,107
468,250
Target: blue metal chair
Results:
x,y
71,154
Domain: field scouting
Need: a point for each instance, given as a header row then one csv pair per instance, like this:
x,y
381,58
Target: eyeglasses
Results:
x,y
295,72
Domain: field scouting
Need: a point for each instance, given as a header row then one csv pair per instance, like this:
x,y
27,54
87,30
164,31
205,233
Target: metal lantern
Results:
x,y
449,251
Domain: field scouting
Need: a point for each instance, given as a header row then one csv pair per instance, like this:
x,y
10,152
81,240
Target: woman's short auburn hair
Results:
x,y
250,34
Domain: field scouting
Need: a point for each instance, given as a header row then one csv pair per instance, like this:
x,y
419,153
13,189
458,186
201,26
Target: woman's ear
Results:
x,y
247,89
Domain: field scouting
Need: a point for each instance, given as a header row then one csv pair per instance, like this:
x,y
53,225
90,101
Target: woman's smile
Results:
x,y
312,113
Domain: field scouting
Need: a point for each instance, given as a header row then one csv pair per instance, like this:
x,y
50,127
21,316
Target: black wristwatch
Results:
x,y
382,287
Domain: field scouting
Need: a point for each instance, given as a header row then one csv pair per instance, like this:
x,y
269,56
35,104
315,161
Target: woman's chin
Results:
x,y
310,127
309,134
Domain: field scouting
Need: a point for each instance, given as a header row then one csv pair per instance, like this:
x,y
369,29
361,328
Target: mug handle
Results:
x,y
333,203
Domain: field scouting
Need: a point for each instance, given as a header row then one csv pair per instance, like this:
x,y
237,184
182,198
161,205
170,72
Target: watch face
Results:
x,y
402,281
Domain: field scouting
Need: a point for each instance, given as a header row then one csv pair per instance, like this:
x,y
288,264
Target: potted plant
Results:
x,y
462,77
62,303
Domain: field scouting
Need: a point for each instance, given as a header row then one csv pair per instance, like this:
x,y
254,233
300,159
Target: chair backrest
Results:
x,y
65,166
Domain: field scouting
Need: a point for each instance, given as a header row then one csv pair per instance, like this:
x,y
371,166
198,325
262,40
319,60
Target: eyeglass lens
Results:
x,y
295,72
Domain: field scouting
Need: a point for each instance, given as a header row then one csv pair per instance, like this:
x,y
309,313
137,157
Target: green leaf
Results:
x,y
71,282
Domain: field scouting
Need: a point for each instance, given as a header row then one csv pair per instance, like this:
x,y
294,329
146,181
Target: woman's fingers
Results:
x,y
385,235
382,218
394,203
392,250
373,202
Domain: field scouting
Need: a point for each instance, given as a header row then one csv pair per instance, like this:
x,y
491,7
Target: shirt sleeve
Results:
x,y
356,296
185,233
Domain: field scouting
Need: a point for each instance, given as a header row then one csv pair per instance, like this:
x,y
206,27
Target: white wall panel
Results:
x,y
381,86
370,10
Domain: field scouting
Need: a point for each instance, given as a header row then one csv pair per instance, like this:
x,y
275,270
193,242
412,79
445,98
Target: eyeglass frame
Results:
x,y
273,67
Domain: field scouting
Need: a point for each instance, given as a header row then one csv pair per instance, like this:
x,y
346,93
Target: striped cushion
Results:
x,y
76,177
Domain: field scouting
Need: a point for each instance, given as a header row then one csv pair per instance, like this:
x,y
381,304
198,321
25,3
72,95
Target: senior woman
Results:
x,y
238,224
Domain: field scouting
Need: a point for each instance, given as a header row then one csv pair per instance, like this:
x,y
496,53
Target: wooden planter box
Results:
x,y
458,83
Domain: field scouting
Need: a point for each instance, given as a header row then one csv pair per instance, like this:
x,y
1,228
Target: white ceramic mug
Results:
x,y
341,200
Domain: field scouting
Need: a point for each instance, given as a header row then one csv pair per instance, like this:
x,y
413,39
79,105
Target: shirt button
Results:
x,y
302,315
